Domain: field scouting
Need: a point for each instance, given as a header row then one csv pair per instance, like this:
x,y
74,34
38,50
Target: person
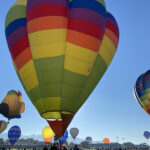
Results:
x,y
64,147
76,147
3,148
34,148
45,148
54,147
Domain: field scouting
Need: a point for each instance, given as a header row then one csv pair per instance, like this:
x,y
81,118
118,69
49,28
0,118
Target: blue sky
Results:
x,y
111,109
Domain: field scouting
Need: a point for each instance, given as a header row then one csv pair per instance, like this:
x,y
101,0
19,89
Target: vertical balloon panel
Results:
x,y
105,54
47,29
86,27
17,39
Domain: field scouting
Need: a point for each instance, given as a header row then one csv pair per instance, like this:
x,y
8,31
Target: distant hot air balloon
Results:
x,y
47,134
60,51
3,125
88,139
74,132
142,91
146,134
64,137
12,105
106,141
14,134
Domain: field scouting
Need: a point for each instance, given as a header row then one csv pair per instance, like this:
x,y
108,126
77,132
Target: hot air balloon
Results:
x,y
106,141
142,91
47,134
146,134
12,105
64,137
74,132
60,51
3,125
88,139
14,134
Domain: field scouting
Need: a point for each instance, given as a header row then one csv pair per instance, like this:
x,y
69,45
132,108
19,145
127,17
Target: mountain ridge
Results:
x,y
40,138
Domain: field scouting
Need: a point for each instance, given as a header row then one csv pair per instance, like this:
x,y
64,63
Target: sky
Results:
x,y
111,110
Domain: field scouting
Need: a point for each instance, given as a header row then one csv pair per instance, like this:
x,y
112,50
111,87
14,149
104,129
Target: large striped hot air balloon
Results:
x,y
60,50
142,91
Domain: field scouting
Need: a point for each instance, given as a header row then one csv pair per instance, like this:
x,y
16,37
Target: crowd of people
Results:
x,y
62,147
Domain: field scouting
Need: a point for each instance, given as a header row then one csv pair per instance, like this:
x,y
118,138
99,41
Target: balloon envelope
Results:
x,y
47,134
106,140
11,106
146,134
142,91
64,137
88,139
14,134
61,54
3,125
74,132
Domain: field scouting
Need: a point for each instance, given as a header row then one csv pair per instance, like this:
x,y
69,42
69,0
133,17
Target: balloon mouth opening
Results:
x,y
55,115
59,125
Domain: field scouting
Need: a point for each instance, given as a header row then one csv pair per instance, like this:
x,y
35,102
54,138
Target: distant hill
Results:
x,y
40,138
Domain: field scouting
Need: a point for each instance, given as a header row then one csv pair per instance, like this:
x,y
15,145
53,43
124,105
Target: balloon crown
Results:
x,y
12,92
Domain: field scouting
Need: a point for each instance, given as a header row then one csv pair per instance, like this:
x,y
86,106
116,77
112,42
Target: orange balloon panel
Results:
x,y
106,140
47,140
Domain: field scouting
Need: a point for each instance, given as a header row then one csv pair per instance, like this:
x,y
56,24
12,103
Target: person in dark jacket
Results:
x,y
76,147
45,148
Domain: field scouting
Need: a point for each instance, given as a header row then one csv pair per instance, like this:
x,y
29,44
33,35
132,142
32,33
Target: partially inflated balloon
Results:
x,y
47,134
106,140
74,132
142,91
146,134
3,126
11,106
60,51
14,134
88,139
64,137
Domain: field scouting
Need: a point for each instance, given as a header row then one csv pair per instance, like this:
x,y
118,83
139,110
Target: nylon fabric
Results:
x,y
60,50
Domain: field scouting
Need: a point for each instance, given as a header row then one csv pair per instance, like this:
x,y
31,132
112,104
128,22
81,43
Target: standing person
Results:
x,y
76,147
45,148
54,147
64,147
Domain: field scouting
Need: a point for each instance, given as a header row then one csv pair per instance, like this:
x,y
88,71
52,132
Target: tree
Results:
x,y
84,144
128,144
21,140
35,141
30,140
71,145
1,141
66,143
